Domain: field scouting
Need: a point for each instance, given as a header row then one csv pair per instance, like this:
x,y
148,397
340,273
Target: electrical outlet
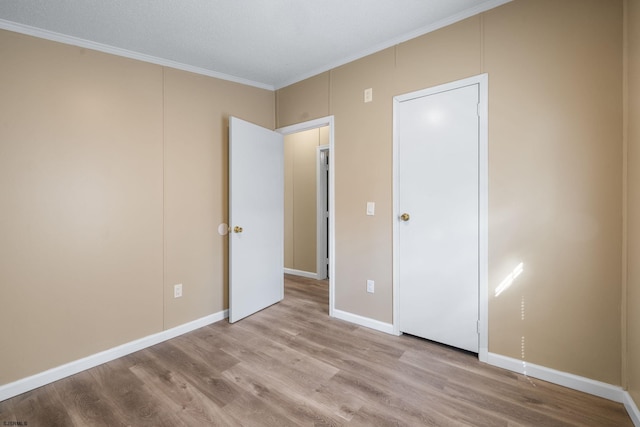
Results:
x,y
177,290
370,286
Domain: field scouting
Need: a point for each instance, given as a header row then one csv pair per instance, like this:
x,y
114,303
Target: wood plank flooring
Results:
x,y
292,365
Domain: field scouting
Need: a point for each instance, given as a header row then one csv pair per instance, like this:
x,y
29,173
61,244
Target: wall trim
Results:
x,y
100,47
23,385
632,409
364,321
565,379
301,273
475,10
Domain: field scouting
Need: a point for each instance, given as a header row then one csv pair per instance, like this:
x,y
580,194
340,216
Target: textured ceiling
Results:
x,y
266,43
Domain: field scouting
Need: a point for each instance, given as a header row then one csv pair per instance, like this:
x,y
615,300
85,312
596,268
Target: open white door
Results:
x,y
256,216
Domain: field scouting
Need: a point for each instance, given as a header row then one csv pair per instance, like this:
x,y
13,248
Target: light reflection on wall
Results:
x,y
503,286
522,345
524,363
508,281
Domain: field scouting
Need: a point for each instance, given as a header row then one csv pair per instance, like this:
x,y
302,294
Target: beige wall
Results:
x,y
633,213
196,146
302,101
100,175
362,168
555,180
555,155
300,198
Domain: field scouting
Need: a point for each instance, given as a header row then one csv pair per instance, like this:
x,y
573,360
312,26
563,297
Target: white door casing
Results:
x,y
256,218
440,167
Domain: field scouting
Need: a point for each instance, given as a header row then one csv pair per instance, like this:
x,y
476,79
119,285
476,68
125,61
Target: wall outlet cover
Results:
x,y
177,290
370,286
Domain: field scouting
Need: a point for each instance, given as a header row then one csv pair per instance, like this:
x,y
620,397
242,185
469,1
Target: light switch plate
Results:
x,y
371,208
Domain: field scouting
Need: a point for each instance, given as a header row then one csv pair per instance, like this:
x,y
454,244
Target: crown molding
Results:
x,y
100,47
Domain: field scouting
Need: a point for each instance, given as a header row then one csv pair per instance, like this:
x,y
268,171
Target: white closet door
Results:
x,y
438,141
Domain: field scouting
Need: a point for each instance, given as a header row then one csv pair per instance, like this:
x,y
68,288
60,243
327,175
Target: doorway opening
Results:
x,y
315,205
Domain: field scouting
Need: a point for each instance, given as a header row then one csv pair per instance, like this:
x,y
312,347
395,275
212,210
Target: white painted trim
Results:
x,y
312,124
482,7
483,182
43,378
632,409
395,230
565,379
364,321
301,273
332,221
76,41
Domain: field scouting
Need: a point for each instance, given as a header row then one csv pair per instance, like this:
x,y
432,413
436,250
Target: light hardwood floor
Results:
x,y
292,365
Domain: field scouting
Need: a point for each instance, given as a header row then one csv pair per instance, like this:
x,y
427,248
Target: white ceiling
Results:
x,y
264,43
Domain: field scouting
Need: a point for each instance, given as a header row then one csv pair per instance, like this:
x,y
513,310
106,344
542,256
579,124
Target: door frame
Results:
x,y
314,124
483,198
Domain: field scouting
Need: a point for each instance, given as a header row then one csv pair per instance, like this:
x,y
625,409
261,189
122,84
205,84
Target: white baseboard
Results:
x,y
483,354
301,273
364,321
565,379
632,409
43,378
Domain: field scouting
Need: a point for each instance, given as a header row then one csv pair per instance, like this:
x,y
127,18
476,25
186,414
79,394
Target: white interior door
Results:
x,y
322,220
438,203
256,217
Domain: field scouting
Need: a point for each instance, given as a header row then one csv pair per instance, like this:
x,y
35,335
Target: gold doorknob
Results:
x,y
405,217
237,229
